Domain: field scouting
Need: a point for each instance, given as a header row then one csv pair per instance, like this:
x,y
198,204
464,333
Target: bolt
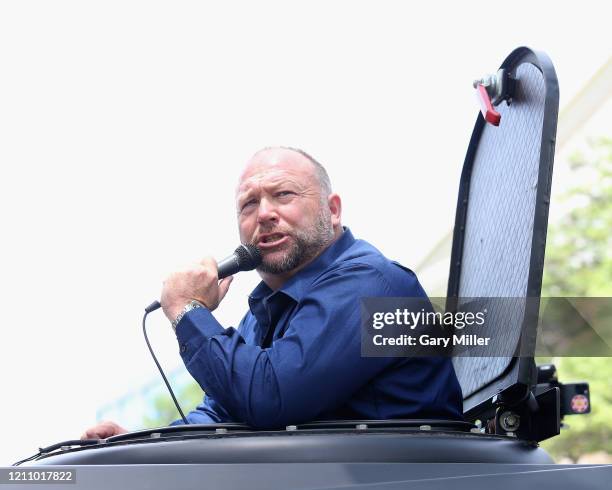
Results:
x,y
509,421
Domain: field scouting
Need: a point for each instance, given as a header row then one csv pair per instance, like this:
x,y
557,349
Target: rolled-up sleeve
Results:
x,y
315,367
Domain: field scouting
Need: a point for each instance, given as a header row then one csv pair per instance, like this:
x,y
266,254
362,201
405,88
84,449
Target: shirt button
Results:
x,y
183,349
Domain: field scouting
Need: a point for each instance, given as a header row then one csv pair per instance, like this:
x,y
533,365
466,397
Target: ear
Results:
x,y
335,206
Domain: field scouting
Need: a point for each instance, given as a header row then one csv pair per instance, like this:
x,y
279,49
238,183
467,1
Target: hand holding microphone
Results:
x,y
200,281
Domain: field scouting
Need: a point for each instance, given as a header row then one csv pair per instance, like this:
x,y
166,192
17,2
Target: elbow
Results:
x,y
266,414
272,403
277,411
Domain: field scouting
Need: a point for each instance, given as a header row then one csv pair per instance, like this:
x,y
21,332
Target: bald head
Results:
x,y
275,155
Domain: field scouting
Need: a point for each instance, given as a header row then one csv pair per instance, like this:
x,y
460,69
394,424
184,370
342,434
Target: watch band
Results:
x,y
192,305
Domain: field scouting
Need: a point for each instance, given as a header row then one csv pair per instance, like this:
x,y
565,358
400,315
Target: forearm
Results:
x,y
295,380
232,372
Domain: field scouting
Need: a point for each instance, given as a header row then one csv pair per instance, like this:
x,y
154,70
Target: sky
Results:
x,y
124,126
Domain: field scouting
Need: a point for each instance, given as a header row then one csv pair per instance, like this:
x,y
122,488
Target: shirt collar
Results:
x,y
297,285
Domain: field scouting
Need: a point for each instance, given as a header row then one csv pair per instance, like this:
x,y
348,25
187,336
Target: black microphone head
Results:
x,y
249,257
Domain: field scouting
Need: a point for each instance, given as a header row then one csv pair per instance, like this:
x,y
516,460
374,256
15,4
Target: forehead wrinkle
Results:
x,y
266,181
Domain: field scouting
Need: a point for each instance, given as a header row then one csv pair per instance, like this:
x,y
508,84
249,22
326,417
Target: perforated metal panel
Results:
x,y
502,214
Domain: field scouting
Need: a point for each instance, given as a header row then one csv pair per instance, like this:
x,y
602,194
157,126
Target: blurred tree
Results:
x,y
579,264
189,396
585,433
579,248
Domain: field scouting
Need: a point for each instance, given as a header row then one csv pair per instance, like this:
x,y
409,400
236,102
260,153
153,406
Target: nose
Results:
x,y
267,212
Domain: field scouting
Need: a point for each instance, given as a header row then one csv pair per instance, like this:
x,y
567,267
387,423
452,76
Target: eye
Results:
x,y
248,204
284,193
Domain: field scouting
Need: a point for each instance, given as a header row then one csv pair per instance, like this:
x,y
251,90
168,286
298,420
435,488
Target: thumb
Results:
x,y
224,287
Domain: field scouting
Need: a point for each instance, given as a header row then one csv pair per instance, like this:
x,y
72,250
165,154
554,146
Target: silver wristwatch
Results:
x,y
192,305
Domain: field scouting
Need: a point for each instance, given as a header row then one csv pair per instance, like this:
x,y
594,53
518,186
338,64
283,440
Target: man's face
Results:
x,y
281,210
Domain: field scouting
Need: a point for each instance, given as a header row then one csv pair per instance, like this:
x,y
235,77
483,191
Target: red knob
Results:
x,y
486,107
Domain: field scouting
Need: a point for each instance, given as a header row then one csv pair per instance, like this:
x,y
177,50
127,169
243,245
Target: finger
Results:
x,y
224,287
209,263
101,431
92,433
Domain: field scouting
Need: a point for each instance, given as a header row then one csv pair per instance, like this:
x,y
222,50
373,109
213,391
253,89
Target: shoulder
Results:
x,y
363,266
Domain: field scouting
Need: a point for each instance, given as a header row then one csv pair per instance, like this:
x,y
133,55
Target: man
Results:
x,y
295,356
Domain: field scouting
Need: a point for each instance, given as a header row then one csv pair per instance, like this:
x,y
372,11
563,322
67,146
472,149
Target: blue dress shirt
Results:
x,y
296,355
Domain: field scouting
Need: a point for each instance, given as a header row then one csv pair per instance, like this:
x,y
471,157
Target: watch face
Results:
x,y
192,305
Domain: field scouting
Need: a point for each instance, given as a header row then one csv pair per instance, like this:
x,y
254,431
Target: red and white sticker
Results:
x,y
579,404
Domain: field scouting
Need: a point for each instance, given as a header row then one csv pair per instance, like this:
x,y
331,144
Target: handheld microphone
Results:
x,y
245,258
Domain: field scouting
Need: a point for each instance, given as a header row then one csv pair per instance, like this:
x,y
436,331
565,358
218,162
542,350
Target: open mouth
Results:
x,y
271,240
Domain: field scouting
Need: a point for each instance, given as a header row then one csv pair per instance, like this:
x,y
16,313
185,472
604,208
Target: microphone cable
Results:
x,y
152,307
245,258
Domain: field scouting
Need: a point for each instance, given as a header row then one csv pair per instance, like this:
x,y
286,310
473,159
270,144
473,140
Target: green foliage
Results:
x,y
586,433
165,412
579,248
579,263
